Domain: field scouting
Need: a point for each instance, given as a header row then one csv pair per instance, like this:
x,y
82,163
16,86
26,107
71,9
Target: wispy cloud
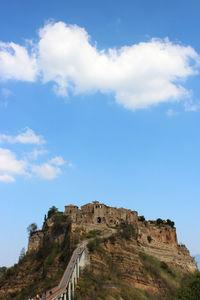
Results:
x,y
6,178
6,92
139,75
58,161
26,137
171,113
36,153
11,165
70,164
190,106
46,171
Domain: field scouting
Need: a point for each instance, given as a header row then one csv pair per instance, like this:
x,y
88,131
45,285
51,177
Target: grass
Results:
x,y
108,282
45,266
93,234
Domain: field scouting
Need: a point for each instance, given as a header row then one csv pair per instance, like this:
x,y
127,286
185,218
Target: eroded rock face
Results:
x,y
125,255
35,240
159,240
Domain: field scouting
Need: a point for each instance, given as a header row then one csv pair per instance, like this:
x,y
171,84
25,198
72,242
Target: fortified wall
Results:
x,y
98,215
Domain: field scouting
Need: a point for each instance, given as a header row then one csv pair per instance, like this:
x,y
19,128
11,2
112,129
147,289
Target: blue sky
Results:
x,y
99,100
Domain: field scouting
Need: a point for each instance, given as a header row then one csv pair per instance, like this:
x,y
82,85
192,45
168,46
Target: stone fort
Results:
x,y
97,214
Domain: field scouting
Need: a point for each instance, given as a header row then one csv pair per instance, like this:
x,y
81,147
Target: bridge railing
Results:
x,y
63,290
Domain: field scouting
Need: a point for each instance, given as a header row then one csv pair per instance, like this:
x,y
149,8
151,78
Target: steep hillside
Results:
x,y
120,269
41,268
130,258
2,270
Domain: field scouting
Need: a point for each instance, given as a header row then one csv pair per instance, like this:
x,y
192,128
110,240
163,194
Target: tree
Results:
x,y
170,223
149,238
22,254
190,290
141,218
159,221
52,211
32,228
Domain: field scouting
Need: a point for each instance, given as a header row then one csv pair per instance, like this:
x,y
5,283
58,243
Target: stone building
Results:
x,y
100,215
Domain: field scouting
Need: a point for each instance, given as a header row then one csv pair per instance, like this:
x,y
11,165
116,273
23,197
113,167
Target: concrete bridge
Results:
x,y
65,289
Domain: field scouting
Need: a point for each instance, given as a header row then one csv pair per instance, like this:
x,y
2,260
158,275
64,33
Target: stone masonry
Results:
x,y
99,215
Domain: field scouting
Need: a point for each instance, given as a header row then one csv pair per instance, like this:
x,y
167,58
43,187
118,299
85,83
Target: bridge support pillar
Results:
x,y
75,274
73,287
78,268
65,296
69,291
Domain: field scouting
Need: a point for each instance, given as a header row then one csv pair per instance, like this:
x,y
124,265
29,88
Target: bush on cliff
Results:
x,y
41,269
127,231
190,289
52,211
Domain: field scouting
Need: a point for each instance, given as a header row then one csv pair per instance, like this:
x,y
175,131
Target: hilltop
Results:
x,y
127,255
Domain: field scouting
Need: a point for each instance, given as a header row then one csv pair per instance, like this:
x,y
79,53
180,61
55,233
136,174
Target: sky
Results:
x,y
99,100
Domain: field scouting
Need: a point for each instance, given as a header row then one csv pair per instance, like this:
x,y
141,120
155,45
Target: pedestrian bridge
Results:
x,y
65,289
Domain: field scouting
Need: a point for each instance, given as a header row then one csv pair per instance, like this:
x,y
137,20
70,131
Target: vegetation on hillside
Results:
x,y
2,270
109,282
190,288
42,269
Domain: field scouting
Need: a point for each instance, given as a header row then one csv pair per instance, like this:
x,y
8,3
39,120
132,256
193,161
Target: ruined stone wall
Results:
x,y
100,215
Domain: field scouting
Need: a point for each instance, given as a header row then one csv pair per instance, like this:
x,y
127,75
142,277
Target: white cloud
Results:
x,y
37,152
6,92
10,165
58,161
16,63
49,170
26,137
3,104
171,113
6,178
189,106
70,164
46,171
139,76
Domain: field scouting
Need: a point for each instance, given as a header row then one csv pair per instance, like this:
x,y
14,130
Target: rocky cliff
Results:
x,y
124,249
160,240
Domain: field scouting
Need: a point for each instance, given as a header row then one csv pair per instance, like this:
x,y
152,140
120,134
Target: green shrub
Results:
x,y
170,223
92,233
92,245
112,238
127,231
166,268
32,228
149,238
141,218
52,211
190,289
159,221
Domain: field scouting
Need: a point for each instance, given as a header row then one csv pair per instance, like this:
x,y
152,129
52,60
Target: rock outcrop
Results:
x,y
151,242
158,239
